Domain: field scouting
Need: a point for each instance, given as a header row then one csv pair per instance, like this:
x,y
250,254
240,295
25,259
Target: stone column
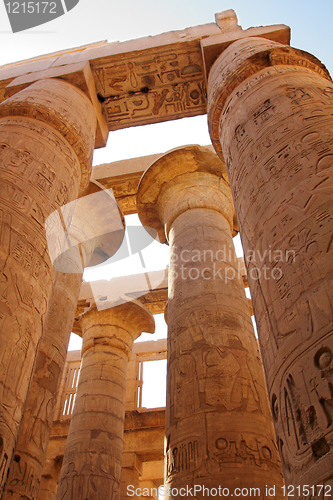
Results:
x,y
219,429
27,466
89,220
271,113
130,475
93,457
46,143
49,482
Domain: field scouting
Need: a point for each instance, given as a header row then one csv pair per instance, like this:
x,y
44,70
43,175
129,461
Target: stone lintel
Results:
x,y
137,287
146,348
143,81
123,178
144,434
138,426
73,355
151,289
150,350
107,173
60,429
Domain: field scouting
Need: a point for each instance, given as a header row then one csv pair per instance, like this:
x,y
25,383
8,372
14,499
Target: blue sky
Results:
x,y
90,21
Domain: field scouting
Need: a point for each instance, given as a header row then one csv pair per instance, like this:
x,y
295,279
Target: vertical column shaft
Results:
x,y
219,430
93,455
46,143
270,112
27,467
26,471
130,476
49,482
218,426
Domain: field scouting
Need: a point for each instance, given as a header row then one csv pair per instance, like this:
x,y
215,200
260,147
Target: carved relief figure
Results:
x,y
68,485
184,386
244,394
322,387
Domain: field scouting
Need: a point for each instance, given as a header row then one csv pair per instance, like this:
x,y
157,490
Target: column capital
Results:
x,y
116,326
245,58
64,107
183,179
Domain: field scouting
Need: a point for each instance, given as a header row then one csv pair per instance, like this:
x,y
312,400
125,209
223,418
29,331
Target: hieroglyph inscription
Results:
x,y
37,169
152,86
286,140
184,457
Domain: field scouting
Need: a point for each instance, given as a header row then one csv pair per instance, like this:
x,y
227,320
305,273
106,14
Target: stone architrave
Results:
x,y
271,113
46,143
125,88
93,456
219,429
27,467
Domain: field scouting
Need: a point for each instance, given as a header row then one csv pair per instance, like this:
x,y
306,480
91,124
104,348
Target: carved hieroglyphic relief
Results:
x,y
124,189
302,407
232,450
154,85
276,132
25,269
68,112
25,475
184,457
300,226
213,377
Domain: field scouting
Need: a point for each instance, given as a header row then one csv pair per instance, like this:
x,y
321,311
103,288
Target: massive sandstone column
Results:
x,y
46,143
130,475
219,429
271,113
90,219
27,466
93,457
